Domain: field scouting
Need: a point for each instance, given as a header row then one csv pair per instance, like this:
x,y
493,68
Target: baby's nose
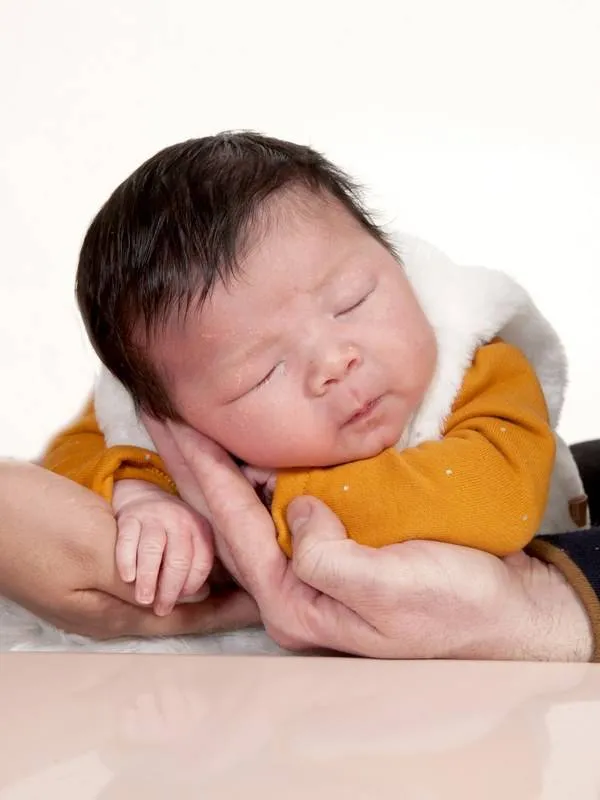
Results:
x,y
332,367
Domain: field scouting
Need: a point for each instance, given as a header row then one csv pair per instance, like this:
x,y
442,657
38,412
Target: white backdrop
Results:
x,y
474,124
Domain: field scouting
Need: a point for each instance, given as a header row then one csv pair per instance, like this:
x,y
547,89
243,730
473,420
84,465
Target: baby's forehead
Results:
x,y
301,231
297,211
303,244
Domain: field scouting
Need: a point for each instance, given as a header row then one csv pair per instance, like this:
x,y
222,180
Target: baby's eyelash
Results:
x,y
357,304
266,379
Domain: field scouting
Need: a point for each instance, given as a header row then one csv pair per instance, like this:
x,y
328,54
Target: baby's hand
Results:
x,y
163,545
263,482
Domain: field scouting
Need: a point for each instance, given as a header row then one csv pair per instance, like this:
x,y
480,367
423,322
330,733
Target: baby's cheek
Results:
x,y
275,436
260,449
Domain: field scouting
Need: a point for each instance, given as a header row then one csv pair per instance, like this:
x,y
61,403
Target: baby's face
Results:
x,y
316,355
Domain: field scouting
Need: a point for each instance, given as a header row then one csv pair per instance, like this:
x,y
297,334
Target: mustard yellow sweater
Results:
x,y
484,484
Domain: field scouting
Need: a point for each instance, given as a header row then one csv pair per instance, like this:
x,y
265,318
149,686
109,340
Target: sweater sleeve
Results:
x,y
485,484
80,453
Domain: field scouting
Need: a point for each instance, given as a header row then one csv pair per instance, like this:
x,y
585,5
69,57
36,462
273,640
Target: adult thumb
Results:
x,y
323,556
312,522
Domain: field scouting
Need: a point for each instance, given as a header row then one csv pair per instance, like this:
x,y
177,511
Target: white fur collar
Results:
x,y
469,306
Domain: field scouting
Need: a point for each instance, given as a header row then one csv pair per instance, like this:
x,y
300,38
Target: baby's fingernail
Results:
x,y
298,513
145,597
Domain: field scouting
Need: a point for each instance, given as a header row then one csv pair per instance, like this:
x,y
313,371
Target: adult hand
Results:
x,y
57,545
412,600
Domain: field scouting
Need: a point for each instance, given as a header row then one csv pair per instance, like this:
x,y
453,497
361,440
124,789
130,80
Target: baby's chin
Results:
x,y
361,454
340,451
348,453
372,444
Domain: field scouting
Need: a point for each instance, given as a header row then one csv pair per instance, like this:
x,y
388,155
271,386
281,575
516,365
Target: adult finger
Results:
x,y
128,539
104,616
216,613
176,561
240,520
153,541
324,558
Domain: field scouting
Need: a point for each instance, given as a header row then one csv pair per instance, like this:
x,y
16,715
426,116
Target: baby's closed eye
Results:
x,y
266,378
353,305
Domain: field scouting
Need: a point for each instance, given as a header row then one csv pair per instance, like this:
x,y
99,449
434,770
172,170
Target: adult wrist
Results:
x,y
576,556
564,631
536,615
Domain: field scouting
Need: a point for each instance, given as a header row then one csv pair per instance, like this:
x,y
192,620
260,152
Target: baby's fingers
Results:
x,y
153,540
174,572
129,530
202,558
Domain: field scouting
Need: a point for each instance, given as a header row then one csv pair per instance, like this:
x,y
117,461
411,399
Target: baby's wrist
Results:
x,y
127,490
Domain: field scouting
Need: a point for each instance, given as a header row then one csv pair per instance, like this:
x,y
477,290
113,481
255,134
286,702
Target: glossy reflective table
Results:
x,y
79,726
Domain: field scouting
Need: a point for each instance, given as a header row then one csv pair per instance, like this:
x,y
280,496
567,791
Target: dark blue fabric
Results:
x,y
587,456
583,548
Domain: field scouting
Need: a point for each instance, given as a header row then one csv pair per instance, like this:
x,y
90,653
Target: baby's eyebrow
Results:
x,y
339,272
249,351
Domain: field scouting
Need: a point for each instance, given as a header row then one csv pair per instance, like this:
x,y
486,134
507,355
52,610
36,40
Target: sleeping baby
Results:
x,y
236,283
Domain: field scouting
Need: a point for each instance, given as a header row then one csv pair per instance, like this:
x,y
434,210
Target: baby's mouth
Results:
x,y
363,413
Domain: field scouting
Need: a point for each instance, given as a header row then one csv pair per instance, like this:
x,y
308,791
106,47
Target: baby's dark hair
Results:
x,y
176,227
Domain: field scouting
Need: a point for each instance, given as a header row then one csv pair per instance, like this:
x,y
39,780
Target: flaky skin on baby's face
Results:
x,y
317,353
